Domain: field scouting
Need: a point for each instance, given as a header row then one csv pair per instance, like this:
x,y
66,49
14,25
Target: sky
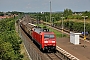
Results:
x,y
44,5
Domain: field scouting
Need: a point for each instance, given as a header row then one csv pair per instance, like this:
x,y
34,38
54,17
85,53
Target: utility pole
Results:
x,y
84,26
50,11
62,25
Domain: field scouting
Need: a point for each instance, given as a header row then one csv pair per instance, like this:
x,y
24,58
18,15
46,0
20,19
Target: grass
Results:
x,y
57,33
76,20
82,20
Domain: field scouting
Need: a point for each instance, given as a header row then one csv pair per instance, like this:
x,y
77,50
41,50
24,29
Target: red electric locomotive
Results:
x,y
45,39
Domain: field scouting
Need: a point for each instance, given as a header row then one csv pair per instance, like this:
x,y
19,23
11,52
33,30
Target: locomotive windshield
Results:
x,y
48,36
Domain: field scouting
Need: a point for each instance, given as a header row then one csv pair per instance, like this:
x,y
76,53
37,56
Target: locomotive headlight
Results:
x,y
53,41
45,44
45,41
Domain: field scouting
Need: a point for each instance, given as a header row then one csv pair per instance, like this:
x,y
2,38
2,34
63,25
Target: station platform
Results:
x,y
81,51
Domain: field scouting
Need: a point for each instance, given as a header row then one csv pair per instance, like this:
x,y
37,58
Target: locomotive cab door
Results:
x,y
40,41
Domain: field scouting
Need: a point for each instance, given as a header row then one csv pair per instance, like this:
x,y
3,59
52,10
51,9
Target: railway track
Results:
x,y
60,55
54,56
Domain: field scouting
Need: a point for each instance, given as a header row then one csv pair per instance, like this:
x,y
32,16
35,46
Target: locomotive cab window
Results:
x,y
48,36
51,36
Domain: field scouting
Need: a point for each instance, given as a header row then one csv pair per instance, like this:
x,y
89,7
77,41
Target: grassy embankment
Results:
x,y
23,51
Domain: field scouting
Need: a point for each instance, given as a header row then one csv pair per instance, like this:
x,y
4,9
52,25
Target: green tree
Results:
x,y
67,12
87,13
9,40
